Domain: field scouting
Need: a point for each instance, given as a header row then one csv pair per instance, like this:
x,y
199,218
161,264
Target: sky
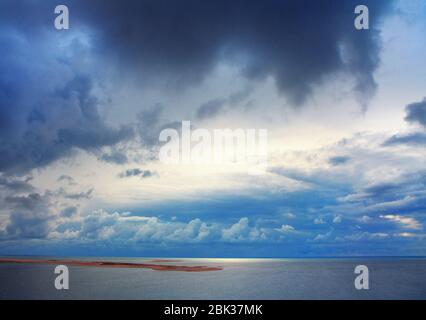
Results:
x,y
81,111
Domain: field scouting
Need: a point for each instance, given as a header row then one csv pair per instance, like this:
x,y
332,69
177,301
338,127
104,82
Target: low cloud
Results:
x,y
136,172
29,216
15,184
285,228
405,222
338,160
67,179
319,221
242,231
76,195
337,219
69,212
115,157
416,113
411,139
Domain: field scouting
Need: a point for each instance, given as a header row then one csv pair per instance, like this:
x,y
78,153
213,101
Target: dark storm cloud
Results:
x,y
90,131
297,42
41,127
29,216
47,105
416,113
48,108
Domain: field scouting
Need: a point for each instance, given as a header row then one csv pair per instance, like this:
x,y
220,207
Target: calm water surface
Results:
x,y
240,279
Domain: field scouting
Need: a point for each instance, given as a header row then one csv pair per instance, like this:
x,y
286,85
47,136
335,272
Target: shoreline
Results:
x,y
109,264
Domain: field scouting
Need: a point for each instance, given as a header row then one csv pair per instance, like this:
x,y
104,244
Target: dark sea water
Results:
x,y
390,278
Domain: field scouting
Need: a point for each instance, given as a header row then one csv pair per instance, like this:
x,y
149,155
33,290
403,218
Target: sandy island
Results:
x,y
165,260
108,264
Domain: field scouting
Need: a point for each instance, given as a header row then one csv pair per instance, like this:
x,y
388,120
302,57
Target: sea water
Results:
x,y
389,278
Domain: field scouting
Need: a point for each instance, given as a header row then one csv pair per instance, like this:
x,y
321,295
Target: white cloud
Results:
x,y
289,215
124,227
241,231
406,222
319,221
337,219
365,219
322,237
359,236
391,204
285,228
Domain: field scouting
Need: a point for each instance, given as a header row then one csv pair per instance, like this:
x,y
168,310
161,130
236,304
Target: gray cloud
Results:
x,y
76,195
48,108
404,195
130,173
57,124
136,172
213,107
238,97
298,43
67,179
210,108
414,139
69,212
16,185
416,113
149,124
338,160
45,117
114,156
29,202
29,216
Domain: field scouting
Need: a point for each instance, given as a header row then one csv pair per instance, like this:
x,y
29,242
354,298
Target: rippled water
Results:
x,y
240,279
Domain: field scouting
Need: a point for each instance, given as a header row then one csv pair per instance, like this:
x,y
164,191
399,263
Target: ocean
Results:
x,y
389,278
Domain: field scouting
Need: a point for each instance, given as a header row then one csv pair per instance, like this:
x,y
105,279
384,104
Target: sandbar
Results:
x,y
110,264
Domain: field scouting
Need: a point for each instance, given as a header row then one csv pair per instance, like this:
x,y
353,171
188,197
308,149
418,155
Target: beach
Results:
x,y
110,264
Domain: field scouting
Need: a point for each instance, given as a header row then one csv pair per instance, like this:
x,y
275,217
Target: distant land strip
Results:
x,y
109,264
